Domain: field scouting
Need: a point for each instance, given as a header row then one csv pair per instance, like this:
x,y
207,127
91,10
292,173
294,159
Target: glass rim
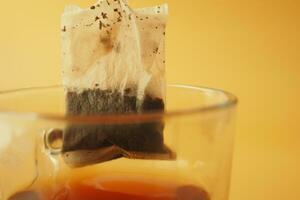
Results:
x,y
230,102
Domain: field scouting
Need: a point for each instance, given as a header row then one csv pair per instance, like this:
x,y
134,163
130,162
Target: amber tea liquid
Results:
x,y
96,188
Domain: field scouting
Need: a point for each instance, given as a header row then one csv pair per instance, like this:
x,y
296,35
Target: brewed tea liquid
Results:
x,y
95,189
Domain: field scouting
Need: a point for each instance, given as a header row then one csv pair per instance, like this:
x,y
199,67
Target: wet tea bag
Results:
x,y
114,62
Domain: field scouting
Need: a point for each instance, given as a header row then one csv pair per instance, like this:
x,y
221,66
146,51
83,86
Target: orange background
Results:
x,y
250,48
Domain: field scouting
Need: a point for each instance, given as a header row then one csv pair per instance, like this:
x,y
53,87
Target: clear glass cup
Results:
x,y
198,128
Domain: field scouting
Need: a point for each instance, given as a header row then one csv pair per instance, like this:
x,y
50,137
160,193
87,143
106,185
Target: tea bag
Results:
x,y
114,62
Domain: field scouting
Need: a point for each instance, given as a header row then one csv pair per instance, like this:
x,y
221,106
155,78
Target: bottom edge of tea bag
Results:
x,y
82,158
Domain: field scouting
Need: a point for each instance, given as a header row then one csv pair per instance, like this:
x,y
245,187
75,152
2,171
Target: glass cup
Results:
x,y
198,131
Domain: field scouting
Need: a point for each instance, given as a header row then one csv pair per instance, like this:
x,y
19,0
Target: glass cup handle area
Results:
x,y
53,140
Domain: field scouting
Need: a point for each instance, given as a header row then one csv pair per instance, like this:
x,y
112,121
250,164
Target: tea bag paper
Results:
x,y
112,47
114,62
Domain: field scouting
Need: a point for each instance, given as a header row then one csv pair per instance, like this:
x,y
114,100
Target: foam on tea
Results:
x,y
114,62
